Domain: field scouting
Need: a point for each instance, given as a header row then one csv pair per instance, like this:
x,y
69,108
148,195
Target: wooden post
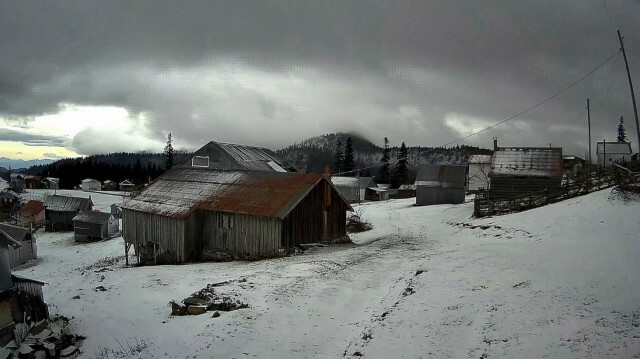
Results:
x,y
126,253
633,96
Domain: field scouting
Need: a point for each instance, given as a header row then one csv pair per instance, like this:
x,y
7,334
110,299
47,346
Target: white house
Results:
x,y
90,185
478,172
609,153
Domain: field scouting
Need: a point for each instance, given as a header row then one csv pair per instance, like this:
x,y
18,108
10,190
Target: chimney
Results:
x,y
327,172
495,143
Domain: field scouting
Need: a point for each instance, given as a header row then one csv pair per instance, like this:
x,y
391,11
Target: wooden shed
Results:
x,y
190,214
522,170
60,210
440,184
27,249
21,299
90,184
93,225
354,189
126,186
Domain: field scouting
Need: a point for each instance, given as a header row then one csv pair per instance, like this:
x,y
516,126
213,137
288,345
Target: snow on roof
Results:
x,y
623,148
92,217
351,182
9,194
32,208
67,204
182,190
407,187
229,156
126,183
439,175
480,159
87,180
527,162
9,235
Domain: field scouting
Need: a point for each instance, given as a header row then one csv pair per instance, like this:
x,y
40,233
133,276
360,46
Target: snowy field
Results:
x,y
562,281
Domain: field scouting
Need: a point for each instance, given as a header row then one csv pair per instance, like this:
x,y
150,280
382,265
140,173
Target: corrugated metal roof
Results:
x,y
621,148
527,162
32,208
228,156
479,159
438,175
16,233
262,193
352,182
66,204
92,217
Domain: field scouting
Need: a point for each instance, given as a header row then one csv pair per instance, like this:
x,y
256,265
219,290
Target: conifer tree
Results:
x,y
338,158
401,170
349,162
622,136
385,171
168,153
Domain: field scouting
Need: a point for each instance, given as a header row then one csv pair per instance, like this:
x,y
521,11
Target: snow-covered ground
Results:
x,y
562,281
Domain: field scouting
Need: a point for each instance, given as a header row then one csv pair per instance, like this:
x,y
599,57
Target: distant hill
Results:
x,y
15,164
315,153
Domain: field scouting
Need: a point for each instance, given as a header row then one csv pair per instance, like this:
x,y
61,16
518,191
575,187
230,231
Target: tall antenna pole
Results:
x,y
633,96
589,126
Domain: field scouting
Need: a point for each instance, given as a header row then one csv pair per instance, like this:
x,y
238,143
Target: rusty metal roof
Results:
x,y
32,208
66,203
527,162
445,176
181,191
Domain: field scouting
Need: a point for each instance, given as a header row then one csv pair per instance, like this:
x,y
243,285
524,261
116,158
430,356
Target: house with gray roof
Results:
x,y
60,210
523,170
354,189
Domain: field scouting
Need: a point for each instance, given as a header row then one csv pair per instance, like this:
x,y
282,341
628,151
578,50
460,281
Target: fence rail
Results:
x,y
582,183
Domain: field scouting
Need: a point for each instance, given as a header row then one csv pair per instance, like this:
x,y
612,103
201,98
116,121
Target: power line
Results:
x,y
604,2
507,119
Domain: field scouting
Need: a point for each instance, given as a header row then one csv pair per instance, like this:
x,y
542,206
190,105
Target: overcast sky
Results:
x,y
86,77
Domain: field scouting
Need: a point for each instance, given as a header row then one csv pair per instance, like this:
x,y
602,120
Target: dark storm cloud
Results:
x,y
272,72
31,139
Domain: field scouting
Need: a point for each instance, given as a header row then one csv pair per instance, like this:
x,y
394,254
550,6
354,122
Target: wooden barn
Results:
x,y
60,210
90,184
27,249
33,182
93,225
440,184
523,170
198,213
126,186
21,299
31,214
109,185
51,183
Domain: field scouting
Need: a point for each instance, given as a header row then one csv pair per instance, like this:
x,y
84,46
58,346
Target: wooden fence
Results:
x,y
582,183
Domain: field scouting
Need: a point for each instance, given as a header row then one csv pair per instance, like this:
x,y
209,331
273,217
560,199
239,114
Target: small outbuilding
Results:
x,y
109,185
127,186
478,172
572,164
90,184
51,183
517,171
440,184
353,188
32,182
60,210
27,249
21,299
407,191
94,225
31,214
610,153
116,211
17,182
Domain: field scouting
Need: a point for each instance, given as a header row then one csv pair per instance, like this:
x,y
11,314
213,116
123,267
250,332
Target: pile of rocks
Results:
x,y
205,300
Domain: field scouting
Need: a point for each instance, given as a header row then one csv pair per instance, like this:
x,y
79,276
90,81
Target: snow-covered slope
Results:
x,y
560,281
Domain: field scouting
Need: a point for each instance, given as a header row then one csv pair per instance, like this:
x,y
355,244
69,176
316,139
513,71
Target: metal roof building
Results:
x,y
353,188
609,153
228,156
89,225
23,244
440,184
60,210
522,170
196,213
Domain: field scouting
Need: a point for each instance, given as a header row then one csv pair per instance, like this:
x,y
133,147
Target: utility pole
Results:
x,y
589,126
633,96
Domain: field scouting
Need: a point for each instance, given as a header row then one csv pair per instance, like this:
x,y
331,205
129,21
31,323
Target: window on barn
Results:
x,y
200,161
225,221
